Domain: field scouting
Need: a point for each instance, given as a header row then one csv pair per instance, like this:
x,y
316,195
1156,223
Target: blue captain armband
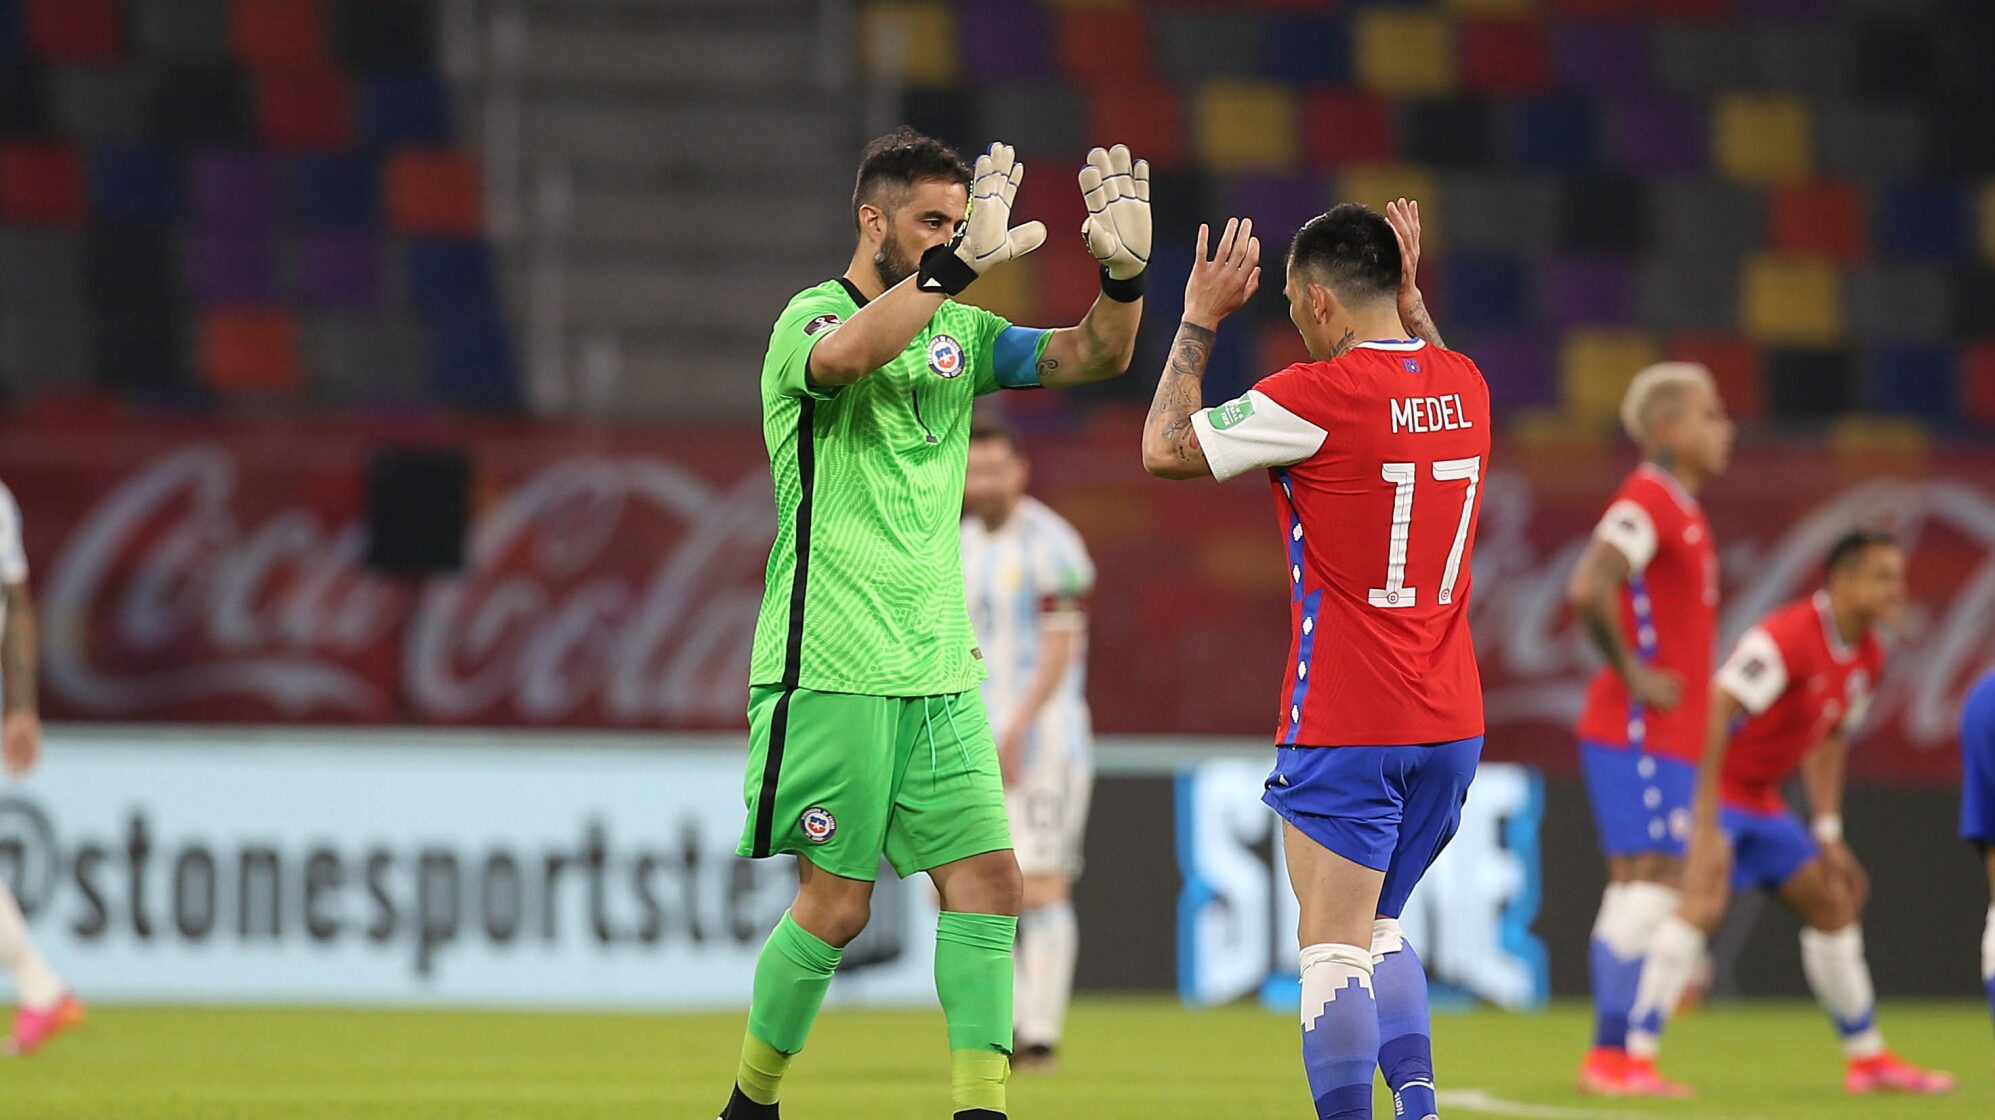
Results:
x,y
1016,355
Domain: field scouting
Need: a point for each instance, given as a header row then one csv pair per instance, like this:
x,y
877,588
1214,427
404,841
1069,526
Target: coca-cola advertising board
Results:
x,y
214,571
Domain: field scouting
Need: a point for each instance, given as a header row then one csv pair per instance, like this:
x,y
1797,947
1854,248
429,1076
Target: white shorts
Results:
x,y
1049,812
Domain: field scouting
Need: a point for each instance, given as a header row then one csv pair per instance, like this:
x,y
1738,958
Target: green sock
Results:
x,y
790,980
973,978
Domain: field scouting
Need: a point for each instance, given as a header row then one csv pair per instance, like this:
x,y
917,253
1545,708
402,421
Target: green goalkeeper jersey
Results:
x,y
865,581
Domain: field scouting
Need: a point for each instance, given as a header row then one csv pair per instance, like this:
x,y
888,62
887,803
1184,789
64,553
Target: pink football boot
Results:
x,y
33,1029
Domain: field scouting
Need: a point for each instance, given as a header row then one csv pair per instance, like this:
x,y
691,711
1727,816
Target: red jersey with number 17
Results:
x,y
1669,614
1376,460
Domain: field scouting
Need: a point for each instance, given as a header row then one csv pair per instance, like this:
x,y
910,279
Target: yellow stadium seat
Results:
x,y
1405,52
1895,438
914,38
1762,137
1547,431
1246,126
1792,300
1493,7
1376,184
1011,290
1595,366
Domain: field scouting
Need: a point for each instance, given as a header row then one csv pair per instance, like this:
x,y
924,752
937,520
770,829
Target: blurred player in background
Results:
x,y
1790,695
1028,577
866,732
1375,452
1977,802
47,1008
1646,589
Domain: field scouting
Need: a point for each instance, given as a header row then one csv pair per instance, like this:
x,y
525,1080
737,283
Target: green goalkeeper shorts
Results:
x,y
840,779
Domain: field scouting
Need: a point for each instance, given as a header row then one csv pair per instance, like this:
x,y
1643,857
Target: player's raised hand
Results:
x,y
1404,217
1218,287
986,238
1117,229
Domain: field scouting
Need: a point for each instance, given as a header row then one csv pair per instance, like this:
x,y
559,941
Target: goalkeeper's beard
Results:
x,y
892,263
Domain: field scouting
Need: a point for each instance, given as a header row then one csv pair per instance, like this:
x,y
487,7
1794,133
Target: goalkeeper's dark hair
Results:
x,y
1351,250
1850,548
897,161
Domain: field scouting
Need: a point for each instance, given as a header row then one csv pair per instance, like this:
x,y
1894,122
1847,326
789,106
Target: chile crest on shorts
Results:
x,y
818,824
945,356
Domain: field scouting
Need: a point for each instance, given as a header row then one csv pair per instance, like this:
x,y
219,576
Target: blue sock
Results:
x,y
1991,996
1340,1030
1406,1043
1629,915
1614,982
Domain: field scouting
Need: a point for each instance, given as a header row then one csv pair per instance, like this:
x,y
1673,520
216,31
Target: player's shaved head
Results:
x,y
891,165
1351,250
1656,394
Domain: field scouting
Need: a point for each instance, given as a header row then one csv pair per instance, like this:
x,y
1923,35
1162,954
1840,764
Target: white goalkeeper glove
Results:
x,y
1117,229
986,238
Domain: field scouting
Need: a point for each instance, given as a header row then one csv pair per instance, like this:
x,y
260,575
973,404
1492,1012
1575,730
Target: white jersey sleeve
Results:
x,y
1632,532
1062,573
13,553
1756,673
1252,432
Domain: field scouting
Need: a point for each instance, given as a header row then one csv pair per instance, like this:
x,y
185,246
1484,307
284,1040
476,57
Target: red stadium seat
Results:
x,y
305,109
1069,278
1084,30
1505,56
1977,381
1146,115
265,33
1819,219
1346,126
1735,365
41,184
75,30
250,351
435,192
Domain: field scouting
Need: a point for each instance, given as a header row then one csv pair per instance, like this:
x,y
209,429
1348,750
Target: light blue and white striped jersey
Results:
x,y
1030,572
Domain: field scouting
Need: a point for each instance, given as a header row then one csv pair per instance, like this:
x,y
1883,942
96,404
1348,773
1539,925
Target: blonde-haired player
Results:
x,y
1028,577
1646,589
46,1007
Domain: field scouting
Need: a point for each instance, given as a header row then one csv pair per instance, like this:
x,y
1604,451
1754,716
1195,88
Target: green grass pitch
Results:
x,y
1124,1058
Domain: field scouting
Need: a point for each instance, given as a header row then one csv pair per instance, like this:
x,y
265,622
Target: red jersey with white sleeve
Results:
x,y
1376,460
1669,611
1799,683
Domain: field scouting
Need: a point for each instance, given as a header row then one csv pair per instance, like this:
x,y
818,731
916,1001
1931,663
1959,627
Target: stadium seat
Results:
x,y
1682,289
1899,301
1922,220
100,104
1793,301
1602,56
1873,140
1874,443
1377,185
75,30
1486,290
449,277
1913,380
1245,126
140,347
364,359
1518,362
1824,218
1305,49
1695,59
1404,52
1589,289
404,109
1595,366
340,271
135,185
249,351
1069,280
271,34
1984,211
1604,213
199,104
1017,39
1553,134
1012,291
304,109
234,188
921,34
1041,119
180,32
1446,132
1346,126
382,35
1145,115
1804,383
1974,301
435,193
1505,56
1660,136
41,183
1708,216
340,191
1977,381
1492,7
1805,56
24,102
13,38
1894,58
1734,363
1192,46
470,362
1498,210
230,268
1762,137
1279,205
1081,31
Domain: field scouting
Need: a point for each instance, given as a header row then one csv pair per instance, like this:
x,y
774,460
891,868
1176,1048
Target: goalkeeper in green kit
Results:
x,y
867,735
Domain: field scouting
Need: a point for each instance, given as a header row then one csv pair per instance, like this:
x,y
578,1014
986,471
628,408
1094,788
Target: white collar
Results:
x,y
1391,344
1842,651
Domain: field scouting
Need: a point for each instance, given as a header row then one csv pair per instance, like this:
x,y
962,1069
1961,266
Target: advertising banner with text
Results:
x,y
214,571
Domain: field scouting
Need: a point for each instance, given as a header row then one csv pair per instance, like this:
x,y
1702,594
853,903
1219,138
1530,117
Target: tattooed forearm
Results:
x,y
1168,433
1047,368
1421,325
17,651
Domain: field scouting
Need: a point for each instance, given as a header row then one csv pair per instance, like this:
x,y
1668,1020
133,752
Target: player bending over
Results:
x,y
1788,697
1029,576
1646,589
46,1008
1977,802
1375,453
866,733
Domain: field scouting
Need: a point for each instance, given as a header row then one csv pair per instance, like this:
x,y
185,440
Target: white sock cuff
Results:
x,y
1387,938
1675,936
1609,905
1628,919
1831,943
1988,947
1338,962
1058,912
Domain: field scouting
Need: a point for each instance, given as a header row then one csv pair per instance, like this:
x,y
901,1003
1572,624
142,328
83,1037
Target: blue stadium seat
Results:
x,y
471,361
1911,380
1554,134
1306,50
450,278
1487,290
339,191
1924,220
409,108
136,185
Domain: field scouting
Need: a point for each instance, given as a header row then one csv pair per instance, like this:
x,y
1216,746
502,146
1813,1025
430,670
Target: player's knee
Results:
x,y
1040,891
988,884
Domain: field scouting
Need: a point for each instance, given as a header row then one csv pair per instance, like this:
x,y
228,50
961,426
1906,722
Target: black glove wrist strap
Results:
x,y
943,271
1122,291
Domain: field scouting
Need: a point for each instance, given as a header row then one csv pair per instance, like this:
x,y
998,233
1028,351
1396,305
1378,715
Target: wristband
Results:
x,y
943,271
1122,291
1828,828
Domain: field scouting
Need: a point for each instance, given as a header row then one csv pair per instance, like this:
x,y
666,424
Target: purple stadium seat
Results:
x,y
230,268
340,271
1589,288
1014,39
1602,56
234,189
1662,137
